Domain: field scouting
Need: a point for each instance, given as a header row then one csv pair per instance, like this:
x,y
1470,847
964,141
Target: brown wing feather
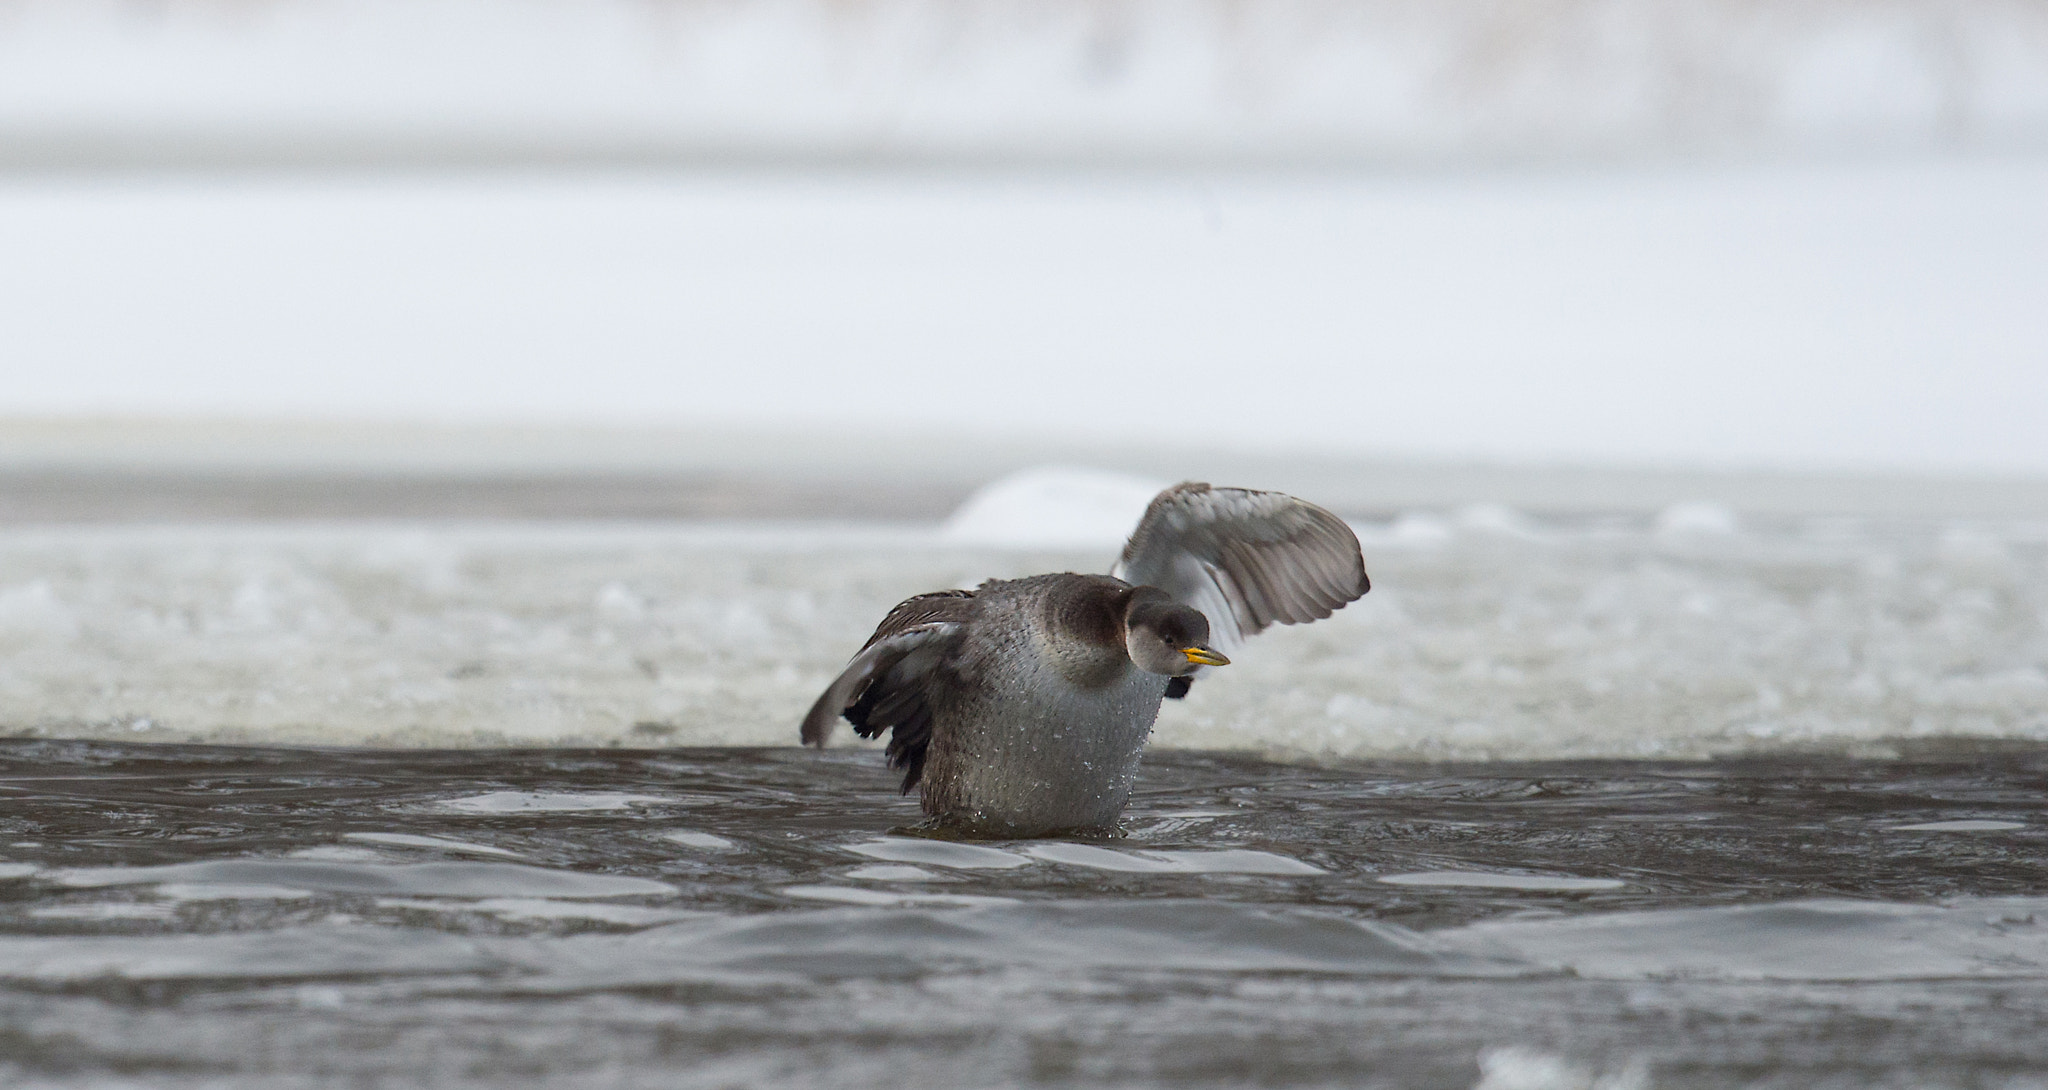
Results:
x,y
938,605
885,687
1246,559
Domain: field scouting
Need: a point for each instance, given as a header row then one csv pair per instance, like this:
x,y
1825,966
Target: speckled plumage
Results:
x,y
1046,722
1021,707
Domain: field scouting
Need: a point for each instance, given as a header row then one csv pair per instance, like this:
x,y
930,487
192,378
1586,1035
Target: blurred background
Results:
x,y
1470,272
1809,235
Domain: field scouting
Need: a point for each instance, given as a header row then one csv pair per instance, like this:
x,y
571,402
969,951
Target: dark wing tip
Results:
x,y
817,728
913,620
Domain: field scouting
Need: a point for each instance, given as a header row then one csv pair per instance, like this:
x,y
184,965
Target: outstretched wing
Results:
x,y
884,687
1245,559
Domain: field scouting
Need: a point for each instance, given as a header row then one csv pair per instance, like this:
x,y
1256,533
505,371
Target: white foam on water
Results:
x,y
1227,861
1546,639
1966,826
17,870
519,802
1170,827
1468,879
940,853
434,843
1521,1068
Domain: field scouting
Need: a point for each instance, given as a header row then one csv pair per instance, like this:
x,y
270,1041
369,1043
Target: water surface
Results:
x,y
176,916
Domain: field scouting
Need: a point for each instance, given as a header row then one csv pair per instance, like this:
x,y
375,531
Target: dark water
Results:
x,y
197,916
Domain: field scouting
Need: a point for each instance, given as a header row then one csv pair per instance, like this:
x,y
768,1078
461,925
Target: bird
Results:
x,y
1019,709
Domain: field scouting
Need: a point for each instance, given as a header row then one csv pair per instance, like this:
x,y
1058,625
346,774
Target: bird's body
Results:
x,y
1021,707
1047,712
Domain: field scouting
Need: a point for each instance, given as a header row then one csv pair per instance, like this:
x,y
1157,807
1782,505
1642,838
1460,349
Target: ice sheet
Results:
x,y
1488,635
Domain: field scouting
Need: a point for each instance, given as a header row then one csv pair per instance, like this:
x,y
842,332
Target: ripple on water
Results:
x,y
431,843
937,932
707,841
203,891
894,872
854,896
336,853
780,938
1470,879
117,910
519,802
1227,861
323,951
542,908
1967,826
1810,939
418,879
939,853
1141,934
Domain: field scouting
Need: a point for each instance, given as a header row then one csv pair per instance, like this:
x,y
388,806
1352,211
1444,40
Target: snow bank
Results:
x,y
1053,507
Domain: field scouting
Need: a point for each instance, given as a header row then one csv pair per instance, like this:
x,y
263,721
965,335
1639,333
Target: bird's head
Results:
x,y
1166,637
